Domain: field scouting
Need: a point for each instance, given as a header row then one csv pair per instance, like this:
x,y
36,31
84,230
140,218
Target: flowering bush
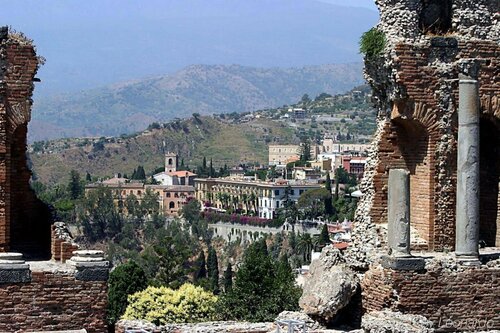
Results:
x,y
188,304
214,217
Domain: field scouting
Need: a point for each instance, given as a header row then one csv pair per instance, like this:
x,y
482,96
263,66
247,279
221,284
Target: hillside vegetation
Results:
x,y
191,138
129,107
227,139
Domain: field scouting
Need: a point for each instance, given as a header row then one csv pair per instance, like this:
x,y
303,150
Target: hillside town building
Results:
x,y
280,155
259,198
173,191
172,176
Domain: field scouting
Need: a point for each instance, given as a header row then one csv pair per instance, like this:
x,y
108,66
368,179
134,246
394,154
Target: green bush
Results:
x,y
188,304
124,280
372,43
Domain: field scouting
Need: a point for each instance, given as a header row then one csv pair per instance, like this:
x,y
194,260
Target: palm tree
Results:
x,y
305,245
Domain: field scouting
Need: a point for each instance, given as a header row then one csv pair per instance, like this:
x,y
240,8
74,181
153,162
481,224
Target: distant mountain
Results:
x,y
93,43
205,89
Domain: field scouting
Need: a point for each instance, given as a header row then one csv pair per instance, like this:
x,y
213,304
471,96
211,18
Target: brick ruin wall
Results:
x,y
53,301
44,295
415,84
24,220
454,300
422,137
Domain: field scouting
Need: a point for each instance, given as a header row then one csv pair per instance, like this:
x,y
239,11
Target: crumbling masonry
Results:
x,y
441,56
37,295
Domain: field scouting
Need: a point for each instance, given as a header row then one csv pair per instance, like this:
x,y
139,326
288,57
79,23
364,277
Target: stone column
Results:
x,y
398,228
467,210
398,224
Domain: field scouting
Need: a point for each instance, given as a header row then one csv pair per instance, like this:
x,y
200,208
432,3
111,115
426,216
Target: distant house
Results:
x,y
172,176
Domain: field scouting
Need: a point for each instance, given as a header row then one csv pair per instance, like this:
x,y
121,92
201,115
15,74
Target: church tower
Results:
x,y
170,162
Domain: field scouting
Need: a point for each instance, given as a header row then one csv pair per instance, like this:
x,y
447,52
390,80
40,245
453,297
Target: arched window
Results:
x,y
171,205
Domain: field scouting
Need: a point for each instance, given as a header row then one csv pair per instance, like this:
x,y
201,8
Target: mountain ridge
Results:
x,y
130,106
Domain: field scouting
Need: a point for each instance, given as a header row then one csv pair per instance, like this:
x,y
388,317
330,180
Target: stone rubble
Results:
x,y
329,286
387,321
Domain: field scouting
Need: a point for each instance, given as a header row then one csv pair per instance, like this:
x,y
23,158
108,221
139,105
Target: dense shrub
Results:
x,y
124,280
372,43
188,304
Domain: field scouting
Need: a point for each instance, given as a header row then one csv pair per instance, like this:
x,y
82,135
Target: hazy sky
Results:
x,y
92,43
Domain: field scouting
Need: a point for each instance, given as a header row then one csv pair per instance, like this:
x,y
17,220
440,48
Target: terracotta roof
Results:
x,y
181,173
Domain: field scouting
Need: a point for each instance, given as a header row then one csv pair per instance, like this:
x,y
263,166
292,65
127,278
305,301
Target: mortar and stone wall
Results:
x,y
415,84
20,210
69,292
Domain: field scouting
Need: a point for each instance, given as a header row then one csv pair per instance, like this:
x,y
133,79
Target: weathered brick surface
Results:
x,y
422,137
467,300
24,220
53,301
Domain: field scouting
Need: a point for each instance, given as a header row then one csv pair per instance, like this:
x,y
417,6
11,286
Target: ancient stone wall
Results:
x,y
20,210
53,301
454,300
415,83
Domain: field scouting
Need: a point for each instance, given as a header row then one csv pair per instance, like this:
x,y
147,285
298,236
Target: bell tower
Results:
x,y
170,162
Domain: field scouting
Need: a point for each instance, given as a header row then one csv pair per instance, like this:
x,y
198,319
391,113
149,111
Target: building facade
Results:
x,y
280,155
248,197
170,198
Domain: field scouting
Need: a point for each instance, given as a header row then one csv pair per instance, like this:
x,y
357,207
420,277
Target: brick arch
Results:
x,y
416,128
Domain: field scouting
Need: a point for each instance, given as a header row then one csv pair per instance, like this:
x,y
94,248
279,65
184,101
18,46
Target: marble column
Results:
x,y
398,224
398,228
467,209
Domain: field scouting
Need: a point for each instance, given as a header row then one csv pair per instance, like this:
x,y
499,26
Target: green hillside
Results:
x,y
193,138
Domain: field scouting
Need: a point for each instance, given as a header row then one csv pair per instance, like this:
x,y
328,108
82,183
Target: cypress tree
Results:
x,y
201,272
211,170
88,177
328,201
228,278
74,187
213,270
324,236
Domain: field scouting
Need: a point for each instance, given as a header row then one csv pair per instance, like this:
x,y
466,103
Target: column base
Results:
x,y
468,260
403,263
13,269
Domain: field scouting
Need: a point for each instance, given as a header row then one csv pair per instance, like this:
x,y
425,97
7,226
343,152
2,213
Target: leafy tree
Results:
x,y
132,205
188,304
305,154
287,292
75,187
213,270
166,260
305,246
257,290
211,171
99,216
228,278
313,202
191,210
124,280
372,43
149,203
